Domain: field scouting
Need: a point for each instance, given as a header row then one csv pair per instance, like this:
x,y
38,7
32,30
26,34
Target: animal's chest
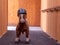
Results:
x,y
22,27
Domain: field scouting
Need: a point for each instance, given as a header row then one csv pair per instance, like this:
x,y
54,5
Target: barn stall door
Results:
x,y
32,7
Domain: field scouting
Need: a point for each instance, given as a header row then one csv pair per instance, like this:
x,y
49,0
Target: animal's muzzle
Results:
x,y
22,20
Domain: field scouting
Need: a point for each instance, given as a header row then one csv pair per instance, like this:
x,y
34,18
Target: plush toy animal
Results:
x,y
22,25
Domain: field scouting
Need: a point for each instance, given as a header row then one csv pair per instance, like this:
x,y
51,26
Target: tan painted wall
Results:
x,y
58,22
32,7
3,17
52,24
50,20
58,27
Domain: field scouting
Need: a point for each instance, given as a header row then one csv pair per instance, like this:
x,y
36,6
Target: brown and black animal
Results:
x,y
22,25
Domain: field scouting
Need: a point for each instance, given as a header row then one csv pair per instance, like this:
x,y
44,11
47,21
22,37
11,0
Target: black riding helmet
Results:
x,y
21,11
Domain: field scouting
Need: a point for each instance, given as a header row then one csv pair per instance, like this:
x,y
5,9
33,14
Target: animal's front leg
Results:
x,y
18,33
17,40
27,36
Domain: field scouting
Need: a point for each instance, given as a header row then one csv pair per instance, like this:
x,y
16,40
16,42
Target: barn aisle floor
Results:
x,y
37,38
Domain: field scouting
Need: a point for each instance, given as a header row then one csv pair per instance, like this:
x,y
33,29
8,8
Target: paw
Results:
x,y
17,40
27,40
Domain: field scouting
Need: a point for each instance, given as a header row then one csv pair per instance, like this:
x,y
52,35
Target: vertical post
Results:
x,y
3,17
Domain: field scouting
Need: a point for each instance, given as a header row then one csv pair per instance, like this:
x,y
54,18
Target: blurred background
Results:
x,y
33,11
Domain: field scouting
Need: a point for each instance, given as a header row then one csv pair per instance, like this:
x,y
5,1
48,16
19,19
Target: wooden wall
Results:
x,y
12,12
32,7
3,17
50,21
